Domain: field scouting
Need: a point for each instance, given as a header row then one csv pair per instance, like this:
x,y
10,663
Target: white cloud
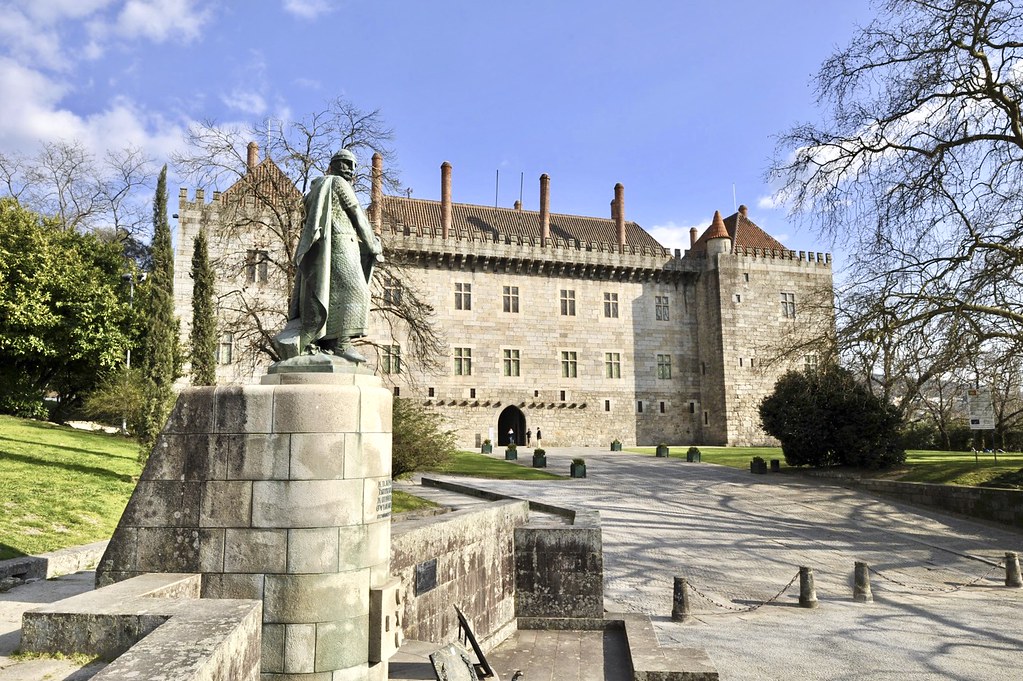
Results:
x,y
246,101
771,202
673,236
308,9
52,11
159,20
29,41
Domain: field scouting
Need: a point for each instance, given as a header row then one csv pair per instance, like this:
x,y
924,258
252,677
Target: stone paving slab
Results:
x,y
740,538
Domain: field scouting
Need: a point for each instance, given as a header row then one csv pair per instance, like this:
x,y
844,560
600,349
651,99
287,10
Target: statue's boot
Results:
x,y
347,351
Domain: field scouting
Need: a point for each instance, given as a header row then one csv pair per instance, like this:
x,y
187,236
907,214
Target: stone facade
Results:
x,y
583,329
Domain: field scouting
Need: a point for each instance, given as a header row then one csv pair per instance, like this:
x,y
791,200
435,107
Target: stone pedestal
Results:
x,y
279,492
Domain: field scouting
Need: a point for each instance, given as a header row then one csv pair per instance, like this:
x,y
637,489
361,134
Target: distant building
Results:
x,y
584,329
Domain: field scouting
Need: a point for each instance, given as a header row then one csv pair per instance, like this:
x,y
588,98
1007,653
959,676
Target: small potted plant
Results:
x,y
488,447
539,458
758,465
511,453
616,445
578,468
662,450
693,455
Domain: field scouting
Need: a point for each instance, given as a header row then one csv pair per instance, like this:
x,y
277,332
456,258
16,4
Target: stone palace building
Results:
x,y
584,329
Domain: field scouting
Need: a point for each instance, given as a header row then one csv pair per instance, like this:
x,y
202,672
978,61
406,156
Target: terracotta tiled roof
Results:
x,y
743,232
476,222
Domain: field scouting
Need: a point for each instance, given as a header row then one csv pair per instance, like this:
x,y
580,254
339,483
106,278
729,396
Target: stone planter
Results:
x,y
616,446
662,450
539,461
577,470
775,466
758,467
486,449
511,454
693,457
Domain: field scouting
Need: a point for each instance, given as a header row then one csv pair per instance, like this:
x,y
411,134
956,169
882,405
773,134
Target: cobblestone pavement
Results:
x,y
941,610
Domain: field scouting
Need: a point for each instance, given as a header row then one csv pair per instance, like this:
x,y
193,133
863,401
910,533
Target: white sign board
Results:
x,y
982,410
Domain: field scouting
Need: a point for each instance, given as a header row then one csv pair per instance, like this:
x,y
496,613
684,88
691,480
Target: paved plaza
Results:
x,y
740,538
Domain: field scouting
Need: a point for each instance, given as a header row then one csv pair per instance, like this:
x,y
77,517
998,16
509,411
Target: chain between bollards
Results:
x,y
680,600
807,591
1012,575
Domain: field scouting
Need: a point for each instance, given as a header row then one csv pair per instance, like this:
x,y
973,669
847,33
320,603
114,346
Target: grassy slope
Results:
x,y
60,486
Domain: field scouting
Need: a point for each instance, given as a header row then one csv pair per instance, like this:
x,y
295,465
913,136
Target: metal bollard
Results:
x,y
680,600
1012,576
861,584
807,592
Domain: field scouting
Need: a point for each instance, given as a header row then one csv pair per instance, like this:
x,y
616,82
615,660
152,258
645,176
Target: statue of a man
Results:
x,y
334,263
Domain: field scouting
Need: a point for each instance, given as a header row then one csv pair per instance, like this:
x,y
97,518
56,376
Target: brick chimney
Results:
x,y
377,191
619,214
743,210
614,212
518,205
253,157
545,208
445,199
694,234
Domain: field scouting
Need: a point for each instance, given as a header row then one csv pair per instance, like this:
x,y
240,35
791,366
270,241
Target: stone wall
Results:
x,y
999,505
470,554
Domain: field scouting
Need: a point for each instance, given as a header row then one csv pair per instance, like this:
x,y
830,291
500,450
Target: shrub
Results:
x,y
580,462
539,452
693,451
419,440
826,418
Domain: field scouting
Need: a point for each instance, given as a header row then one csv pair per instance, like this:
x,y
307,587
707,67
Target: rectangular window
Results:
x,y
472,393
662,308
463,361
607,405
397,391
257,266
225,349
738,297
788,305
613,364
740,361
511,298
391,360
567,303
662,407
706,418
569,364
663,366
431,392
463,296
561,395
745,277
692,407
611,305
511,362
810,362
639,406
392,291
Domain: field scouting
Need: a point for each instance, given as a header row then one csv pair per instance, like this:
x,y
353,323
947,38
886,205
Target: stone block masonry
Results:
x,y
278,492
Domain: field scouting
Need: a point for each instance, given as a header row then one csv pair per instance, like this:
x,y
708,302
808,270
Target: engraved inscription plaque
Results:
x,y
384,499
426,576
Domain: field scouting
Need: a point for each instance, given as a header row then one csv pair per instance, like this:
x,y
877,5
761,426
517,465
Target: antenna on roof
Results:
x,y
522,178
734,205
497,187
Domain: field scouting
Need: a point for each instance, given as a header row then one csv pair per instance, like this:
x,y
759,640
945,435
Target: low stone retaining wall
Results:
x,y
999,505
14,571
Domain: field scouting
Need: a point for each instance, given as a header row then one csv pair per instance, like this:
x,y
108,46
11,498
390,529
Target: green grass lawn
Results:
x,y
59,486
403,501
486,466
946,468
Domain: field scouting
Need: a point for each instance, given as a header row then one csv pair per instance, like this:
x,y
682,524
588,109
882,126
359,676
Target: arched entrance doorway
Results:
x,y
513,418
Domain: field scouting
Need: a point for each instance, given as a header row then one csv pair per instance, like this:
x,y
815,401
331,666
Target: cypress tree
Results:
x,y
204,322
160,352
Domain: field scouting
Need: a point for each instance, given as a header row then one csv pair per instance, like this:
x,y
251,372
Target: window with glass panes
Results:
x,y
569,364
391,360
463,296
611,305
613,364
788,305
511,298
463,361
568,302
661,308
663,366
511,362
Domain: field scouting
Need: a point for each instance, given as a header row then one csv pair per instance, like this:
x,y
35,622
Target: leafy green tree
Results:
x,y
419,440
826,418
204,316
159,347
63,320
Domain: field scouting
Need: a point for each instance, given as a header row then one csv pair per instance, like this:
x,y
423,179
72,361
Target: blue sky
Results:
x,y
677,100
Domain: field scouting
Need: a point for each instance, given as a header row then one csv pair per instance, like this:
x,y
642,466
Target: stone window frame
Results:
x,y
510,299
225,348
392,290
567,298
390,359
463,295
511,362
664,366
612,365
662,308
463,361
611,304
788,305
257,266
639,406
569,364
810,362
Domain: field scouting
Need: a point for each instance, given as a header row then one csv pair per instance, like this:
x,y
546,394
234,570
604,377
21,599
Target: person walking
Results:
x,y
529,436
511,436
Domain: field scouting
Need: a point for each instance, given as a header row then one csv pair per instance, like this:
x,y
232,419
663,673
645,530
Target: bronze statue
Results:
x,y
334,264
